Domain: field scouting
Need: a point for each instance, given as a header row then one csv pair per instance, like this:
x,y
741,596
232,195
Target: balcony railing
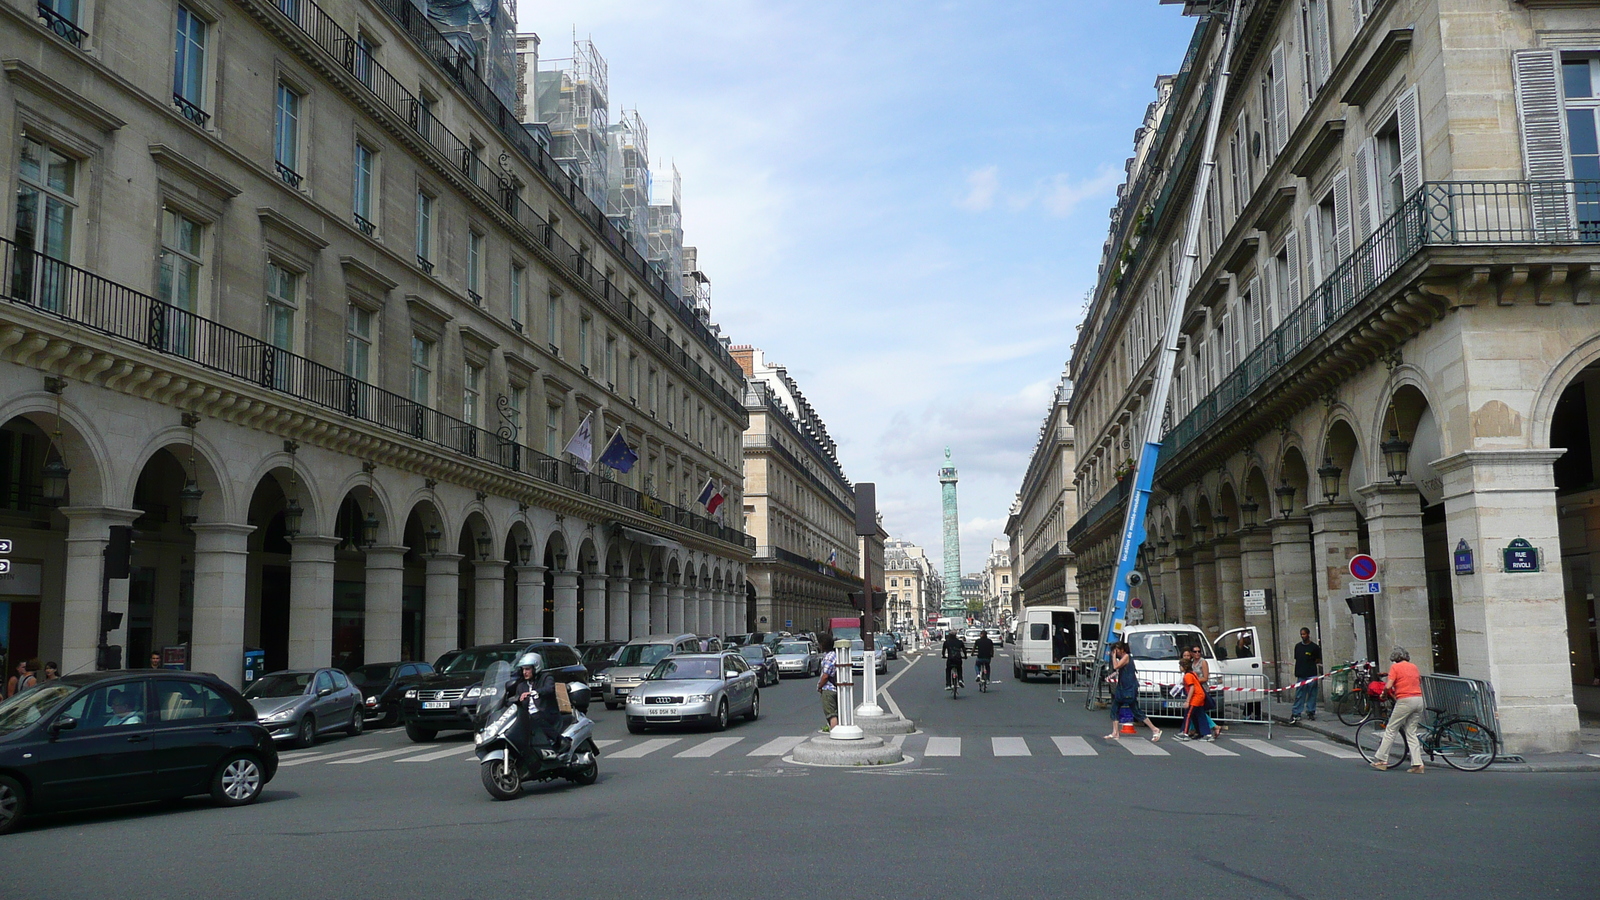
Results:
x,y
1111,501
289,176
310,19
61,25
367,227
1440,213
772,551
81,297
190,111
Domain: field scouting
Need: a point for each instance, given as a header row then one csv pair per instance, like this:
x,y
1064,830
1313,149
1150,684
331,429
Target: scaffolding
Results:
x,y
484,35
628,171
665,229
572,100
696,287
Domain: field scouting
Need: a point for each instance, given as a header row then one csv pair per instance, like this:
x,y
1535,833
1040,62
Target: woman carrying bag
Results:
x,y
1125,693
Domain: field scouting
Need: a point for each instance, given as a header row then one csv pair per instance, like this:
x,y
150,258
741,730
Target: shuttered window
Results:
x,y
1544,141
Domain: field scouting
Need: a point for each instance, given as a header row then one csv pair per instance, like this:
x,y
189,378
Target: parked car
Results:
x,y
597,657
1155,648
447,700
857,647
636,659
110,738
762,661
301,705
798,657
695,688
887,645
382,684
710,643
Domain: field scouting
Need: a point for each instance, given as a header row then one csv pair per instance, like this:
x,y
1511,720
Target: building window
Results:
x,y
552,430
425,232
421,370
283,301
366,169
1316,45
1580,78
286,136
189,66
357,341
180,261
471,393
514,404
518,300
46,202
583,343
611,362
475,267
364,51
552,319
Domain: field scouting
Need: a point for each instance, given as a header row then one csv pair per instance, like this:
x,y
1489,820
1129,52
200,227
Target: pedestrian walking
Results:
x,y
27,676
1307,664
1202,671
1125,693
826,685
1405,685
52,671
1195,689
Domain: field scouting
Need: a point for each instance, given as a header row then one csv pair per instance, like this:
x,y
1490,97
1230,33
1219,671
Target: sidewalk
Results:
x,y
1588,760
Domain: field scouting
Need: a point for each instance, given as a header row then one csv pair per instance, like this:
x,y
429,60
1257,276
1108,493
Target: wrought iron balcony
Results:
x,y
475,297
191,112
52,287
425,265
367,228
61,25
289,176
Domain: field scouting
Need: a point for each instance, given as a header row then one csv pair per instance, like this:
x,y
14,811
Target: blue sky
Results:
x,y
902,202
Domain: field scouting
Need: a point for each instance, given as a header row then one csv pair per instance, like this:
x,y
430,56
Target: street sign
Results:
x,y
1137,603
1255,603
788,623
1521,556
1358,588
1463,558
1363,567
5,545
5,567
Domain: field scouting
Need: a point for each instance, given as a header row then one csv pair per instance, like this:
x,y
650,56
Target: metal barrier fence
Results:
x,y
1240,698
1449,696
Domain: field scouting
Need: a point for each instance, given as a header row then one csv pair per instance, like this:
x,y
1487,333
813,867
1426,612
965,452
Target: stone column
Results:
x,y
217,641
440,603
1188,601
617,608
1230,582
385,601
1334,538
658,605
691,608
594,606
1205,589
1394,532
707,625
675,608
488,601
1170,595
1511,627
565,589
1255,567
88,531
530,601
639,608
1294,604
310,600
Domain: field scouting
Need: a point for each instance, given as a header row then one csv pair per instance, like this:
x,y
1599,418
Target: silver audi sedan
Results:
x,y
798,657
695,688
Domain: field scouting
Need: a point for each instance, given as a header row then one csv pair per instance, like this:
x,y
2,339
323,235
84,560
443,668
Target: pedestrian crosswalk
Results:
x,y
930,747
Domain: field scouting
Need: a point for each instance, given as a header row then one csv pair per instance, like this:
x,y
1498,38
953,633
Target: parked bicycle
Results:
x,y
1363,698
1462,742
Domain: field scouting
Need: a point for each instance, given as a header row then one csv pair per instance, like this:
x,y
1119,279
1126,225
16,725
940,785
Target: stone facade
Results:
x,y
318,324
914,587
1384,347
1046,571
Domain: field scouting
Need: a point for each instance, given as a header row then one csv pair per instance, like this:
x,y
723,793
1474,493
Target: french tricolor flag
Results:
x,y
710,497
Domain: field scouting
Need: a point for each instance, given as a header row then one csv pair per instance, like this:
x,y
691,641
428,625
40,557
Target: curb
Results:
x,y
1555,765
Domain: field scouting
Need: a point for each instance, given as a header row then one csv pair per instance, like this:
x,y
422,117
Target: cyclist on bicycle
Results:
x,y
954,650
983,649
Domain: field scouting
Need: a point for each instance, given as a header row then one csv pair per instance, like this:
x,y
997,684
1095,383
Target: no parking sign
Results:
x,y
1363,567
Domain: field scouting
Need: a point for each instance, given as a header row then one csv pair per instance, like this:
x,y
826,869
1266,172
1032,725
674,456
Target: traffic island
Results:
x,y
869,750
888,723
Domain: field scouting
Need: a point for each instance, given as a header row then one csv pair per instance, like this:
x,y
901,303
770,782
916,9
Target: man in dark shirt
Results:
x,y
983,648
1307,664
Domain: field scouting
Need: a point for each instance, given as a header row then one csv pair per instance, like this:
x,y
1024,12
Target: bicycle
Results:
x,y
1463,742
952,680
1358,704
982,676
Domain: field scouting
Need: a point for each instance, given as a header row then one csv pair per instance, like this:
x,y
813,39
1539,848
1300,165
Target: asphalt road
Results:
x,y
1028,800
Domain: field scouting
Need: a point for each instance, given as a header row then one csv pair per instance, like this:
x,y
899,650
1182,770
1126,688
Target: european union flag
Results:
x,y
618,455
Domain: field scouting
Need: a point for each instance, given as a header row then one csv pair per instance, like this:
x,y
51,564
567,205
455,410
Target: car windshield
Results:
x,y
686,670
597,653
1160,645
643,654
284,684
371,676
753,652
29,706
793,649
477,661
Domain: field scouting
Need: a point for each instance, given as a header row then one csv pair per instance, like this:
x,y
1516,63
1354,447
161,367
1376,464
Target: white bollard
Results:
x,y
844,679
869,685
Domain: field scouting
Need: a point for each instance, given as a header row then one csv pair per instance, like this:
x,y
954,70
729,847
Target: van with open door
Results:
x,y
1155,649
1047,640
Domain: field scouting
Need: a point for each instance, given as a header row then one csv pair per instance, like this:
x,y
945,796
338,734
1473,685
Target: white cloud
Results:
x,y
982,185
1063,195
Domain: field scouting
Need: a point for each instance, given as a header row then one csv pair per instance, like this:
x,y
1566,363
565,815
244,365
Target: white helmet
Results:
x,y
533,660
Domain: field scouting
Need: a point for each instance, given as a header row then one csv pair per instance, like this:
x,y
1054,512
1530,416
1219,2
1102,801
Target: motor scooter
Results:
x,y
510,757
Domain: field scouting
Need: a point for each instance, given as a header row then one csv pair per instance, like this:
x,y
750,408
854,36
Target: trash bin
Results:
x,y
255,665
1339,684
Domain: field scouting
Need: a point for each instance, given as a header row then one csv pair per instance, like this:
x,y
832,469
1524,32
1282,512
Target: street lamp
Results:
x,y
1285,493
525,551
1199,533
189,502
1395,454
430,539
292,514
561,560
369,530
55,481
1329,473
1222,524
1247,512
483,546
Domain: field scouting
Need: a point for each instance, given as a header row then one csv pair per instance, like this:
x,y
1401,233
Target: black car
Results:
x,y
596,657
762,661
381,685
111,738
447,700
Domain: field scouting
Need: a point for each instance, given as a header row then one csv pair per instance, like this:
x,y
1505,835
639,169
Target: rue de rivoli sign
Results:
x,y
1521,556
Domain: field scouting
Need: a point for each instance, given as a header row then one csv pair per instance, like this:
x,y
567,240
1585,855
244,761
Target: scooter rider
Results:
x,y
534,691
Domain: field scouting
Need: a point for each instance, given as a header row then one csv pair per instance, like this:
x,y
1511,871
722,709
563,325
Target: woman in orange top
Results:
x,y
1405,683
1197,701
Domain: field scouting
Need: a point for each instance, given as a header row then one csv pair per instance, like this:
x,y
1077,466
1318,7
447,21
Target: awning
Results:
x,y
648,539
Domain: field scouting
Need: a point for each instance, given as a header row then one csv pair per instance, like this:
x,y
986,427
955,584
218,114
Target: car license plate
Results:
x,y
1052,668
660,712
622,691
436,704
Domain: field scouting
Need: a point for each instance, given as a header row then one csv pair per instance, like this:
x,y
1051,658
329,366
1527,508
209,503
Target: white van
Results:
x,y
1047,639
1156,648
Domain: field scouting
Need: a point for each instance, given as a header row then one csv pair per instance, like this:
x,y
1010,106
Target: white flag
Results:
x,y
582,443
